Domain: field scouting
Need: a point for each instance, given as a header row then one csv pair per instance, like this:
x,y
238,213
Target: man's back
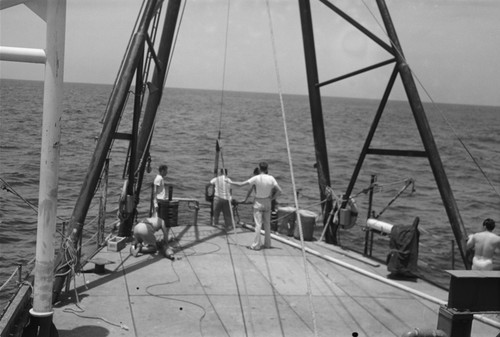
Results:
x,y
264,184
485,244
222,186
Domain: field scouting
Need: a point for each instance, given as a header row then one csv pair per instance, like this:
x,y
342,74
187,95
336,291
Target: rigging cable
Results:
x,y
120,69
219,152
5,186
231,257
407,184
455,133
219,132
219,148
294,188
224,68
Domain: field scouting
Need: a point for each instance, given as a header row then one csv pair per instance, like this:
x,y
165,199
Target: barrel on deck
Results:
x,y
168,210
274,220
308,220
286,220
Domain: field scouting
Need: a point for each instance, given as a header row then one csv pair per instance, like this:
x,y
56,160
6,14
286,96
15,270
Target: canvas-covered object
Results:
x,y
403,256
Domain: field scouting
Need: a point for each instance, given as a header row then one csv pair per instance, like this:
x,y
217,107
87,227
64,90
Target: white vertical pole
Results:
x,y
49,162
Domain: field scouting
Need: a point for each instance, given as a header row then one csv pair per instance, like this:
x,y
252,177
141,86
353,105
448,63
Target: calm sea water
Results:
x,y
252,130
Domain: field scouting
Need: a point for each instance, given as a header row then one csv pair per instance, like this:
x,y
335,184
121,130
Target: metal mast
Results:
x,y
316,108
401,68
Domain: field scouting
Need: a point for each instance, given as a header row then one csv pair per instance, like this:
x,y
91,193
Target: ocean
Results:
x,y
252,129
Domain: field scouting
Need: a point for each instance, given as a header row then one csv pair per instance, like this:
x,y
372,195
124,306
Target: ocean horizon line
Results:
x,y
425,102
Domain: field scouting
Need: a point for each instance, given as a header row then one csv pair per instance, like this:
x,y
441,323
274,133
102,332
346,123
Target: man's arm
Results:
x,y
250,190
497,248
240,184
470,241
164,230
155,192
276,192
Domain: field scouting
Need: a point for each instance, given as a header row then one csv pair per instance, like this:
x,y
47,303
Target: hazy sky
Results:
x,y
453,46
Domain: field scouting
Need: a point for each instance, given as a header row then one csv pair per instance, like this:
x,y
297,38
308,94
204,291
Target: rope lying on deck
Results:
x,y
78,313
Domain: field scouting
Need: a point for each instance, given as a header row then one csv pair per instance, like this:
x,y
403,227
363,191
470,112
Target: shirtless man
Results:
x,y
484,244
145,240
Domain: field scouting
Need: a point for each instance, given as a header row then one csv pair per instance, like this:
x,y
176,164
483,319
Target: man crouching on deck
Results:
x,y
484,244
145,240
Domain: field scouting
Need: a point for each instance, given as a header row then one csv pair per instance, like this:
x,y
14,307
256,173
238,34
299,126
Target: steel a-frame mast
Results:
x,y
139,137
403,70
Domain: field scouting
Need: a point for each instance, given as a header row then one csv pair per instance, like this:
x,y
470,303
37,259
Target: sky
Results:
x,y
452,46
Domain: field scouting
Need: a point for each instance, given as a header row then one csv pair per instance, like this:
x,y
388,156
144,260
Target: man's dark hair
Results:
x,y
263,166
489,224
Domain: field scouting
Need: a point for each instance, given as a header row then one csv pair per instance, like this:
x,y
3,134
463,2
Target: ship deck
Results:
x,y
215,286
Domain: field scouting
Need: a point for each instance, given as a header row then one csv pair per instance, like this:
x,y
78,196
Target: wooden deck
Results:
x,y
218,287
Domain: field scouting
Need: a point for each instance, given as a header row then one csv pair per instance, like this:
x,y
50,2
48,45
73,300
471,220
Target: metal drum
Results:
x,y
308,220
168,210
286,220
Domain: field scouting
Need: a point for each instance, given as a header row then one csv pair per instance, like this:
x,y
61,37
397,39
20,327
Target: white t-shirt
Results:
x,y
264,184
160,187
222,187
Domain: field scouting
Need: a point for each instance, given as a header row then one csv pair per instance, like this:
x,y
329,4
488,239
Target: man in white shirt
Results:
x,y
159,187
222,197
266,190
